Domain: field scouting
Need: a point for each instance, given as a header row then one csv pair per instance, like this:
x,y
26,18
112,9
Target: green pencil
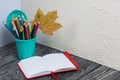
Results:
x,y
29,32
23,35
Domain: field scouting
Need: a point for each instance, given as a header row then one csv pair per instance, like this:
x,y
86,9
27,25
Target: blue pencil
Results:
x,y
7,27
21,22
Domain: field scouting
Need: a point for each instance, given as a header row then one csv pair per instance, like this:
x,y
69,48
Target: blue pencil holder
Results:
x,y
14,13
25,48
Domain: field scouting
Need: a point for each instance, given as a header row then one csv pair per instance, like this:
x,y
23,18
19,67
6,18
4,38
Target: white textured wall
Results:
x,y
91,28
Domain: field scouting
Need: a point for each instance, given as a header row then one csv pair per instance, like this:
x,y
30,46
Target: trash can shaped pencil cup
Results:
x,y
25,48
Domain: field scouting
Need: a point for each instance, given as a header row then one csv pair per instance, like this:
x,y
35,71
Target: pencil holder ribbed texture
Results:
x,y
25,48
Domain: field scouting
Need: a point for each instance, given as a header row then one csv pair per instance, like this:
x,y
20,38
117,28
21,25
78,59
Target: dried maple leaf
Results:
x,y
51,16
47,22
49,28
39,14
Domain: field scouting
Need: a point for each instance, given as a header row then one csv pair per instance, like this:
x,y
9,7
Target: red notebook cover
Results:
x,y
52,73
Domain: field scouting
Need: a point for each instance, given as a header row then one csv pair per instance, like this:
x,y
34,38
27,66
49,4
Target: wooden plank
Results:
x,y
4,48
8,55
42,50
102,73
88,70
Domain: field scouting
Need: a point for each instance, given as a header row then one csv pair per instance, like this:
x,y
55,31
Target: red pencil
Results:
x,y
26,32
37,27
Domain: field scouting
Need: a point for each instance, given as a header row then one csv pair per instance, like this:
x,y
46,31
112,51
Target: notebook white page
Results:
x,y
57,61
32,66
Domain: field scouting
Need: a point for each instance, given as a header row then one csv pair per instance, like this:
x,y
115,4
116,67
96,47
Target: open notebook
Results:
x,y
37,66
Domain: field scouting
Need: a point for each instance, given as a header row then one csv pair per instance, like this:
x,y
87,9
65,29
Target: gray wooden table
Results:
x,y
88,70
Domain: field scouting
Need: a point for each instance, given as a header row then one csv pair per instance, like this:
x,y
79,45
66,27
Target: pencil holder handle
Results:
x,y
25,48
14,13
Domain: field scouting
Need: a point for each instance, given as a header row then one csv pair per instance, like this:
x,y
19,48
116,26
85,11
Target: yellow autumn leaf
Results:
x,y
51,16
49,28
42,22
47,22
39,14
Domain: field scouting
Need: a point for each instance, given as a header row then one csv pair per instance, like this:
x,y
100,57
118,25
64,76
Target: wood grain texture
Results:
x,y
88,70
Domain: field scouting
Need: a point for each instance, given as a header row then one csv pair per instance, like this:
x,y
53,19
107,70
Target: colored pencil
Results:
x,y
15,28
21,32
7,27
26,31
29,31
36,29
33,31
